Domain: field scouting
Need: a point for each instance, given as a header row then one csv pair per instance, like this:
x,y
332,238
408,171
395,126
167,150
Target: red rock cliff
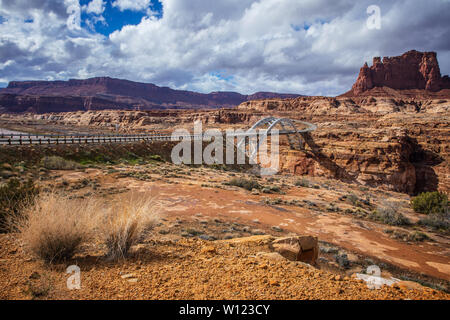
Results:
x,y
411,70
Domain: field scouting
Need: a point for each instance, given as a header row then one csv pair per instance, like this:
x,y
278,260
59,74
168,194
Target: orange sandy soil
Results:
x,y
188,196
186,269
170,266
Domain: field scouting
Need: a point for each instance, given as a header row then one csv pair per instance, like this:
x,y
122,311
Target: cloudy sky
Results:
x,y
313,47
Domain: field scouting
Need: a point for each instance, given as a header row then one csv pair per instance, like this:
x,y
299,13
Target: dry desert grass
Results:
x,y
54,226
126,221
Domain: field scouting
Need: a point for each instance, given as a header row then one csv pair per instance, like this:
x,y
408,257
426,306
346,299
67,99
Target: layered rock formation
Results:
x,y
351,105
109,93
402,151
412,70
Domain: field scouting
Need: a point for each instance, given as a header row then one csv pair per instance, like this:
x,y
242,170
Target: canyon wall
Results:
x,y
402,151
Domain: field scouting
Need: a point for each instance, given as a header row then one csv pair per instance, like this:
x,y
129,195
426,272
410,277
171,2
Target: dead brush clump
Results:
x,y
58,163
126,221
53,227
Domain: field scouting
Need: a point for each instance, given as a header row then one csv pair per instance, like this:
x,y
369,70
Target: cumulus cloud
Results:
x,y
133,5
307,47
95,6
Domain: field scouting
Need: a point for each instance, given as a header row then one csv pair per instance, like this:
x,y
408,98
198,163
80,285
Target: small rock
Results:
x,y
409,285
207,237
257,232
209,249
353,258
277,229
342,260
274,283
186,235
128,276
255,192
271,256
328,250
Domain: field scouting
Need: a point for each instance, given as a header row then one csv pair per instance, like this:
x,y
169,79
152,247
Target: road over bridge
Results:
x,y
263,128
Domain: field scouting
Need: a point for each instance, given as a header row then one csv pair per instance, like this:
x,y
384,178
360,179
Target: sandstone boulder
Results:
x,y
298,248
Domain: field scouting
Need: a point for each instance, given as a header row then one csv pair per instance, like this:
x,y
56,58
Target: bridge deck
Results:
x,y
33,139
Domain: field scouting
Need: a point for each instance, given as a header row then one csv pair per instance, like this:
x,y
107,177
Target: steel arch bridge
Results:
x,y
287,127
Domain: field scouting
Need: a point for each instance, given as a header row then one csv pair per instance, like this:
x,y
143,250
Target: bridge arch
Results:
x,y
288,127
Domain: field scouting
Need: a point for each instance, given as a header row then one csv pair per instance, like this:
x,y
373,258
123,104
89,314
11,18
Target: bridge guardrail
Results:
x,y
41,139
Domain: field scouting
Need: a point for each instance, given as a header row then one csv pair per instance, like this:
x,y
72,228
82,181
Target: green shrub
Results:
x,y
271,189
418,236
58,163
14,196
353,199
156,157
302,183
244,183
430,202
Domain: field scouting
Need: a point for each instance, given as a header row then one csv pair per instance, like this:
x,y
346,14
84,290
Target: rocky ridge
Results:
x,y
109,93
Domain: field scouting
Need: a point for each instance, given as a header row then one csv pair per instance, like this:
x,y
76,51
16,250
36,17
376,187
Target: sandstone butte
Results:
x,y
411,70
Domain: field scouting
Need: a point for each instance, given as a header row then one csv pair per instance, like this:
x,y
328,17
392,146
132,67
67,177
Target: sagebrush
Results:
x,y
388,213
58,163
244,183
431,203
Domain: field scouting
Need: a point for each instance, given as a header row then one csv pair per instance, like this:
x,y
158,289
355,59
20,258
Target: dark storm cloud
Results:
x,y
56,6
10,50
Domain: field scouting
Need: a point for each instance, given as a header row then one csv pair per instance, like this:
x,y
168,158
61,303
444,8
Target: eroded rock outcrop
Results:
x,y
412,70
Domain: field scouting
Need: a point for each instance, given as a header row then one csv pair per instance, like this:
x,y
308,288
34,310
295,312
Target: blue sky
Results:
x,y
115,19
311,47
